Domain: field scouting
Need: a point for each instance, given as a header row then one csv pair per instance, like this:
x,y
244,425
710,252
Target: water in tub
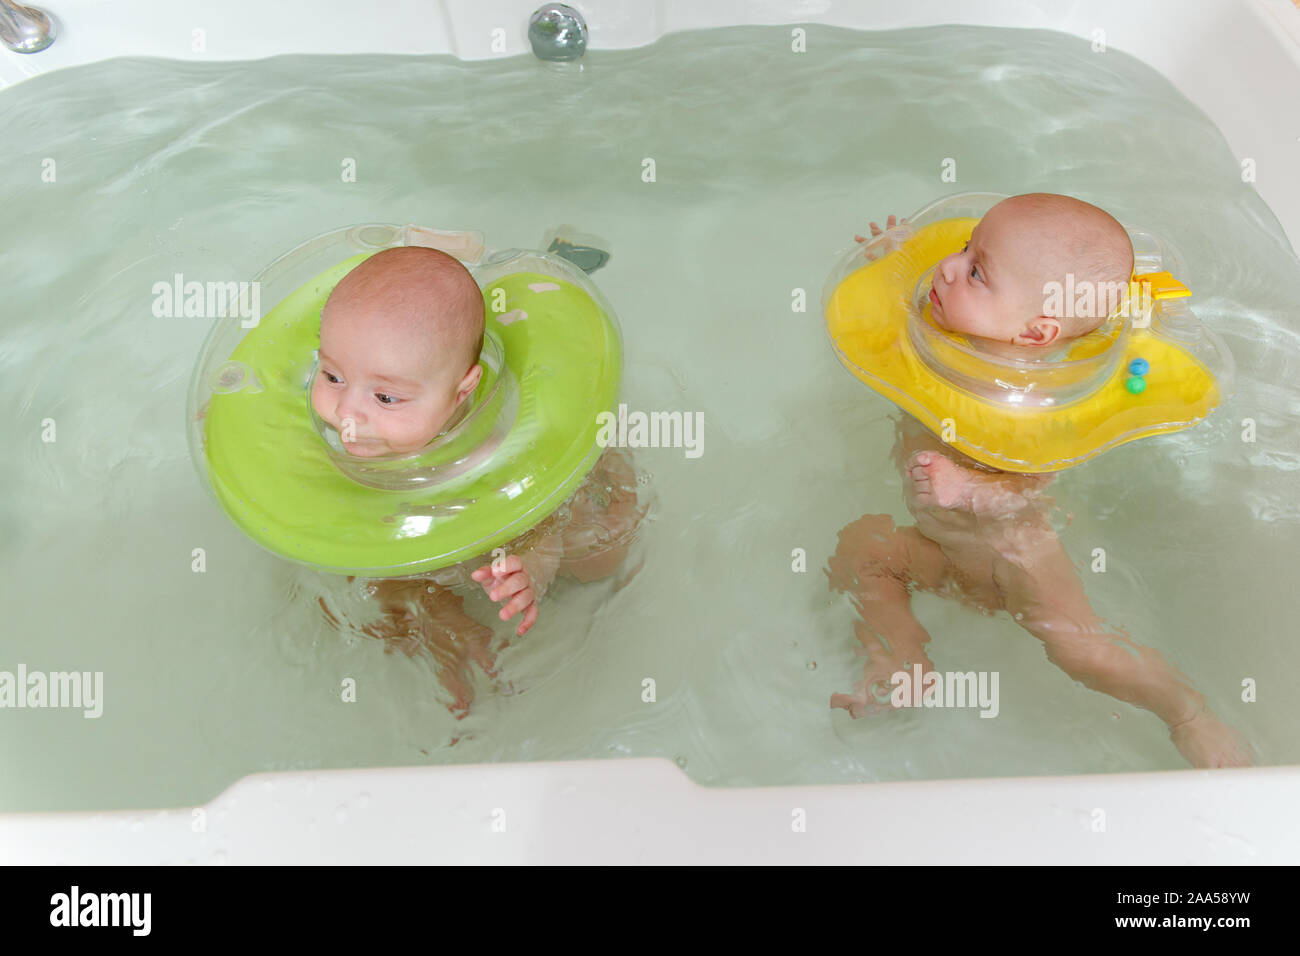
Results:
x,y
726,171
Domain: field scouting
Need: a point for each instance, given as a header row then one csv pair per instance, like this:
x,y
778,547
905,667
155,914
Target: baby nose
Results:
x,y
349,408
948,267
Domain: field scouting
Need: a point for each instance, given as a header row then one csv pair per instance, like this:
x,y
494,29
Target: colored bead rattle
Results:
x,y
1137,369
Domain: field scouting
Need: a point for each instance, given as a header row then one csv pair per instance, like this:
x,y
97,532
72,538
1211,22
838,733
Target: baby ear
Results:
x,y
1044,330
469,382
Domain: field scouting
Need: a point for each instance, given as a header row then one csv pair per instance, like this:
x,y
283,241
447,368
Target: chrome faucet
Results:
x,y
25,29
557,33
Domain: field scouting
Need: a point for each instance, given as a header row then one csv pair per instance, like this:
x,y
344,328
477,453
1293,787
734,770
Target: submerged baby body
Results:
x,y
986,538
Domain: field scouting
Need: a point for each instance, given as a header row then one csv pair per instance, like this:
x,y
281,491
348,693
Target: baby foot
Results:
x,y
872,694
941,483
1205,741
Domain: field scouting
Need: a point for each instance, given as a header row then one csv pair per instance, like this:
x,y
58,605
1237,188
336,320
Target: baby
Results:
x,y
984,536
400,340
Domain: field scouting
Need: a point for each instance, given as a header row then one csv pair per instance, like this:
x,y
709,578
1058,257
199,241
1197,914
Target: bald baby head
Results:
x,y
999,287
420,293
1065,236
400,341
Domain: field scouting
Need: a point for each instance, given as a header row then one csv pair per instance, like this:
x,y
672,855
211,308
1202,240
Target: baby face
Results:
x,y
394,367
993,288
382,390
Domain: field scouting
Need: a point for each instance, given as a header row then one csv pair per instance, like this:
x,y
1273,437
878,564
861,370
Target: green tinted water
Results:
x,y
766,163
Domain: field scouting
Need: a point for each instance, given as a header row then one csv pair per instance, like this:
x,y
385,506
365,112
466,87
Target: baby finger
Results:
x,y
517,604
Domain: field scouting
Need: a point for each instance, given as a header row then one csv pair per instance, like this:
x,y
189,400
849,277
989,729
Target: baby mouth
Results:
x,y
936,309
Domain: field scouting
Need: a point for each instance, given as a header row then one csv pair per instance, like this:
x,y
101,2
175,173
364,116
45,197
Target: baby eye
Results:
x,y
329,378
974,272
384,399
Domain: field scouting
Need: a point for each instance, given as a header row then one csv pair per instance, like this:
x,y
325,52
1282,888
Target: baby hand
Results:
x,y
890,243
507,578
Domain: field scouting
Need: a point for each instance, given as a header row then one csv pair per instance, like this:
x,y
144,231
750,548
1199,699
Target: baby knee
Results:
x,y
870,547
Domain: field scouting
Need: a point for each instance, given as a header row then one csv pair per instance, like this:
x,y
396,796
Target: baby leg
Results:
x,y
604,515
420,616
1043,592
879,564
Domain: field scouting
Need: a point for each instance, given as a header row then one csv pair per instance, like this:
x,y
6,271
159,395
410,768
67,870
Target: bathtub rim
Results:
x,y
645,810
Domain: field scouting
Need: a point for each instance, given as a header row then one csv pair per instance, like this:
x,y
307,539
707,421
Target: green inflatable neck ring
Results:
x,y
552,362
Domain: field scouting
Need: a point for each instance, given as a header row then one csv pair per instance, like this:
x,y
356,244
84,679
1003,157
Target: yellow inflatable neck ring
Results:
x,y
1152,368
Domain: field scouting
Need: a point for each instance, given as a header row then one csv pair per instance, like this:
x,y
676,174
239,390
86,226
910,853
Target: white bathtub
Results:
x,y
1239,61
